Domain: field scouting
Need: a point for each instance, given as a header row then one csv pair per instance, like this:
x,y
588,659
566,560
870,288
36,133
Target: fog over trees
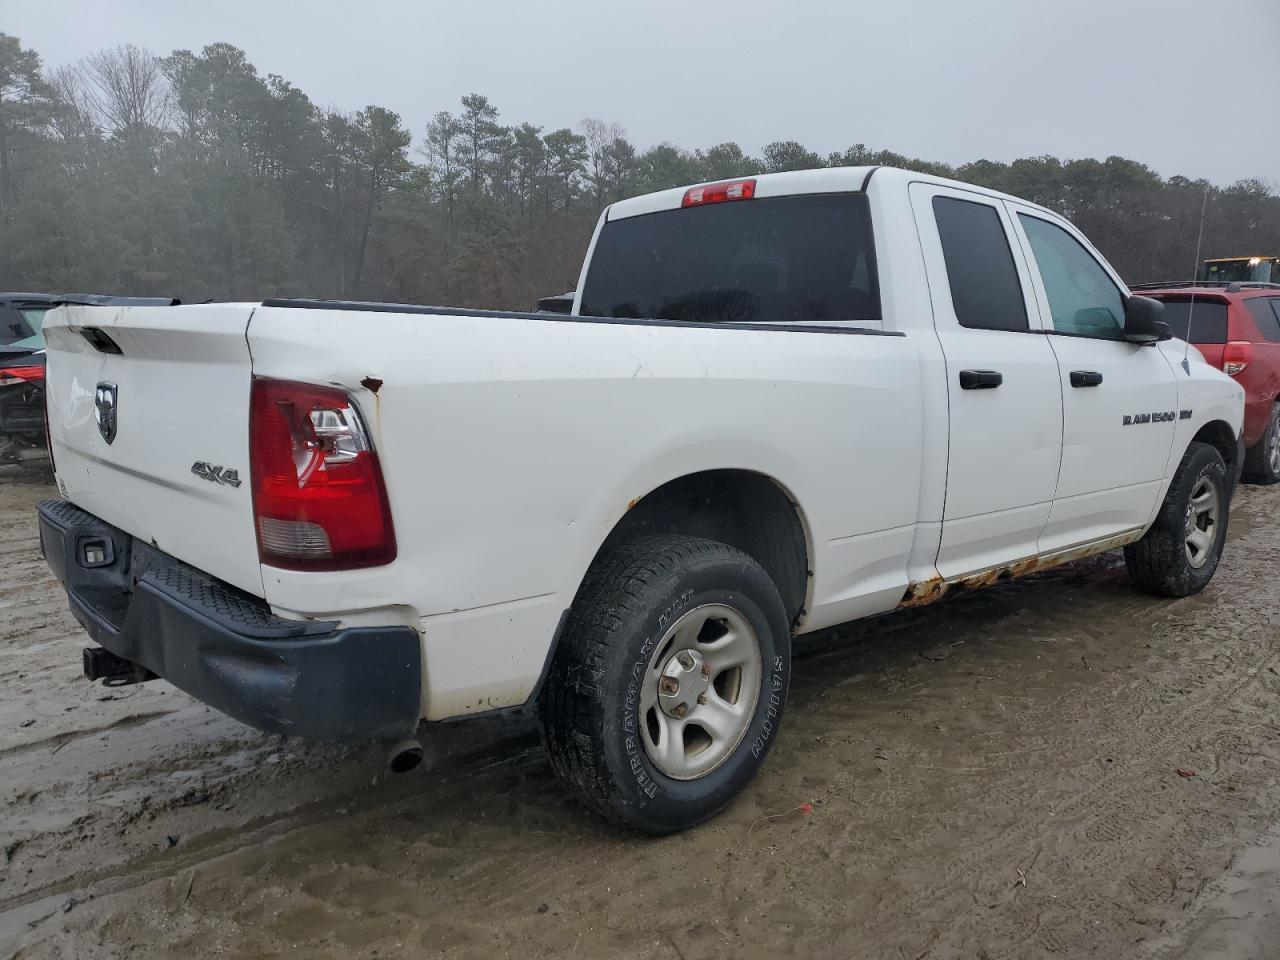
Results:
x,y
193,175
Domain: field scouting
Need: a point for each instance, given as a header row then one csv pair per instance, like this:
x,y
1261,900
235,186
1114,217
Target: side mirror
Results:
x,y
1144,321
560,303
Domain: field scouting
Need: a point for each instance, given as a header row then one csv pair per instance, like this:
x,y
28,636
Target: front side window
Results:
x,y
795,259
1083,298
985,290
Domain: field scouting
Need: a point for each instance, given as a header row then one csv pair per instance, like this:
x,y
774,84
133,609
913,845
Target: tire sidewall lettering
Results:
x,y
631,699
650,785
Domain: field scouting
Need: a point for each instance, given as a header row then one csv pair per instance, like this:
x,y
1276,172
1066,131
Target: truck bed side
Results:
x,y
512,445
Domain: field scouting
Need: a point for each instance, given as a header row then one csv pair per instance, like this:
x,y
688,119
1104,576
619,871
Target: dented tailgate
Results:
x,y
148,416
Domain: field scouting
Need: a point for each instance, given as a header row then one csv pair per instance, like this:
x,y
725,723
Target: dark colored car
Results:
x,y
21,319
22,375
1237,328
22,363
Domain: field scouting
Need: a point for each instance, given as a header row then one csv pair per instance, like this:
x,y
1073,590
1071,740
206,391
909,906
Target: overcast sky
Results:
x,y
1189,87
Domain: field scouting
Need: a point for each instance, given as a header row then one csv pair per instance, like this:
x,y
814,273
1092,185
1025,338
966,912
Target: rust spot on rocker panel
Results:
x,y
986,578
924,592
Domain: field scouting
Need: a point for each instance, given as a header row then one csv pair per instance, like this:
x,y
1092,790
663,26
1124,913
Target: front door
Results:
x,y
1005,404
1119,399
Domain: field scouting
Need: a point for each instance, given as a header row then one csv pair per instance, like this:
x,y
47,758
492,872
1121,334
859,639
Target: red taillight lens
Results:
x,y
318,497
1236,356
719,192
12,375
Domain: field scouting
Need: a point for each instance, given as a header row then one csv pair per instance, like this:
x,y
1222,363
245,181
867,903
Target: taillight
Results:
x,y
319,501
719,192
1236,356
14,375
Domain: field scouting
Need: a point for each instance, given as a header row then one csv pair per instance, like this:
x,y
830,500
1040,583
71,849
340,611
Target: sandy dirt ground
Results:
x,y
1058,767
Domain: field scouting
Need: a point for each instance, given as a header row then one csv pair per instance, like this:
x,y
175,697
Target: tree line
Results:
x,y
194,175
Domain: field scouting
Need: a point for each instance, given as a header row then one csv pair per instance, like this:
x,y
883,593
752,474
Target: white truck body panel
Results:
x,y
1109,480
512,445
991,514
183,384
580,420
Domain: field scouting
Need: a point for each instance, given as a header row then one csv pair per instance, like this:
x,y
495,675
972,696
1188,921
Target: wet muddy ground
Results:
x,y
1058,767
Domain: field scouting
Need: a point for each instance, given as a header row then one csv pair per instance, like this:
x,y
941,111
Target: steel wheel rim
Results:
x,y
700,691
1201,528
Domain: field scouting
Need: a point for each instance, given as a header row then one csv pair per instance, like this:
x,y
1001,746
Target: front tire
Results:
x,y
1262,461
1179,554
668,685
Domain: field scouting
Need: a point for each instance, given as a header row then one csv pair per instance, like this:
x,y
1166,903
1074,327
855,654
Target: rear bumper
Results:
x,y
225,647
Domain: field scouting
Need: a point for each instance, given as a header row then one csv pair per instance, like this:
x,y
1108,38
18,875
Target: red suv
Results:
x,y
1237,328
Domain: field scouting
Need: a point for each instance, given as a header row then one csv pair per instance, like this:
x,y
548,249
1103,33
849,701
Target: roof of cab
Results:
x,y
821,180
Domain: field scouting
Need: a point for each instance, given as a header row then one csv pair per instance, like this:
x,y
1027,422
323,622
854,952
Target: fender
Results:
x,y
1206,395
521,695
610,506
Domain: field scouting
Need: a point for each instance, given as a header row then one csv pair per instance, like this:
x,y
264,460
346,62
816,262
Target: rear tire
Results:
x,y
668,685
1262,461
1179,554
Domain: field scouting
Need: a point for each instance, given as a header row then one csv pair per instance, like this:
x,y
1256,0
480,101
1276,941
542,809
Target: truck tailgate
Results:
x,y
149,427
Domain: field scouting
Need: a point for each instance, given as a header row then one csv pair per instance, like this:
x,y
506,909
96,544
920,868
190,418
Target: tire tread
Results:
x,y
1157,562
1257,466
574,695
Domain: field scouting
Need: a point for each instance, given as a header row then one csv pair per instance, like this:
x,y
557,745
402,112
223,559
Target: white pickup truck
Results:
x,y
777,404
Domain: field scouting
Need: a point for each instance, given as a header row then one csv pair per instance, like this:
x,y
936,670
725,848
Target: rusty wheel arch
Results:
x,y
744,509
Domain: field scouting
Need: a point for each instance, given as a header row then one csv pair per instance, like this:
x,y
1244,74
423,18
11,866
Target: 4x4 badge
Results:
x,y
216,474
104,410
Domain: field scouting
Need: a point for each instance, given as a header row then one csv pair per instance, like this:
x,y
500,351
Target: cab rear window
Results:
x,y
1205,319
799,259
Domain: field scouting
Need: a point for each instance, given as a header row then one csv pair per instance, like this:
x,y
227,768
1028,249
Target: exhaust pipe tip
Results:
x,y
405,756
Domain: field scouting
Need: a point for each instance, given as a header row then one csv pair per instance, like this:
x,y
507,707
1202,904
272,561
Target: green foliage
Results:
x,y
192,175
784,155
28,107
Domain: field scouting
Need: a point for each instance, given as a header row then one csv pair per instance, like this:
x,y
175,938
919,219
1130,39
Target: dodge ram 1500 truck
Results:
x,y
777,404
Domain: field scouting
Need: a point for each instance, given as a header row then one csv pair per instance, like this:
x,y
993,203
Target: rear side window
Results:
x,y
1201,321
985,290
14,326
34,317
1083,299
1266,314
793,259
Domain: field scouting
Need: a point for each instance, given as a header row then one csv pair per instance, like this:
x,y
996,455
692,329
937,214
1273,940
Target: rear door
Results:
x,y
1120,400
1264,367
1005,404
144,403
